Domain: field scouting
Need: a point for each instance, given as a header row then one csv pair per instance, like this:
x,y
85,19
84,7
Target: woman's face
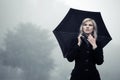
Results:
x,y
88,27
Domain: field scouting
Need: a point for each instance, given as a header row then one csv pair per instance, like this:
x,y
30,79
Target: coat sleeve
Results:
x,y
73,53
98,55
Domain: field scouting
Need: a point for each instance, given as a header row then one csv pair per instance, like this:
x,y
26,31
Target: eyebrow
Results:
x,y
86,24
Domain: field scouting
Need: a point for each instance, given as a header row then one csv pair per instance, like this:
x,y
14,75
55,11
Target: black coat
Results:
x,y
85,61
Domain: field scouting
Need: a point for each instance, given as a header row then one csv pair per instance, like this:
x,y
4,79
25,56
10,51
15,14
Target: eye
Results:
x,y
84,24
90,25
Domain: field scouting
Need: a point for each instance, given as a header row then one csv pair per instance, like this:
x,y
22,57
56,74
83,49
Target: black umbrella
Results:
x,y
68,29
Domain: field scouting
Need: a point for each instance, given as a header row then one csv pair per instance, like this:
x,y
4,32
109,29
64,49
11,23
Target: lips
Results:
x,y
87,30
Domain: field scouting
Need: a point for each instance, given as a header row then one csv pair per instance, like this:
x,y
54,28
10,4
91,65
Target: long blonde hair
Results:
x,y
94,26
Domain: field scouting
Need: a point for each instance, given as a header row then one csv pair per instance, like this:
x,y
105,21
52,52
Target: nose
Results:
x,y
87,26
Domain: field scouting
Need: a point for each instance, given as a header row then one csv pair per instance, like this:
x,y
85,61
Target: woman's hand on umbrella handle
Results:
x,y
79,39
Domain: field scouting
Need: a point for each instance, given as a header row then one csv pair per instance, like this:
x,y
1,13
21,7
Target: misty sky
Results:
x,y
47,14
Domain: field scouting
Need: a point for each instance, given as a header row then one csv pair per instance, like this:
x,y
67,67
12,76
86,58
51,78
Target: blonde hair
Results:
x,y
94,26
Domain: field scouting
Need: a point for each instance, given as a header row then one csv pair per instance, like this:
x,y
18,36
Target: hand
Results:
x,y
79,39
92,41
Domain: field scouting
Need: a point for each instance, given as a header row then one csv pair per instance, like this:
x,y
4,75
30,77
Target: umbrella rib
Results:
x,y
66,32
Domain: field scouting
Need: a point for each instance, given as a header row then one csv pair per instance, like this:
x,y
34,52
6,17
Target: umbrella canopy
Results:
x,y
68,29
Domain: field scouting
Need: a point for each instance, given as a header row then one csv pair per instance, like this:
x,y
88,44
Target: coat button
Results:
x,y
86,69
87,52
86,60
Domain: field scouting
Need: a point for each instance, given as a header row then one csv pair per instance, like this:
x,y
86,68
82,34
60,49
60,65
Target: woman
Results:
x,y
86,52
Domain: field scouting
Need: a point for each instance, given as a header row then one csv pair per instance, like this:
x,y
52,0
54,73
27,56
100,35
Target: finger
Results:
x,y
90,37
80,35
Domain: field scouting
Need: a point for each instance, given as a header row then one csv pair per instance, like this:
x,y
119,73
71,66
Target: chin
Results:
x,y
88,32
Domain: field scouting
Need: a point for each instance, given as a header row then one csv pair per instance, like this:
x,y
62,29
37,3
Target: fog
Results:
x,y
25,55
30,51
